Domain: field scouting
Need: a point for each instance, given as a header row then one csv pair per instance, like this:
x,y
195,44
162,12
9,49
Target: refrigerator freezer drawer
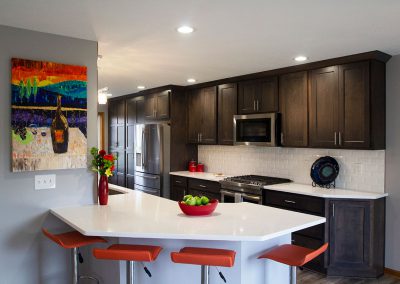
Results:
x,y
148,190
148,180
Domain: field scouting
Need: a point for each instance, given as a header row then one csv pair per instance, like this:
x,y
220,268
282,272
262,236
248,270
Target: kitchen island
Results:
x,y
140,218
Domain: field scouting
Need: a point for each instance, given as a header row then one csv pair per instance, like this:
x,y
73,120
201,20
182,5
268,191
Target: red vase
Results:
x,y
103,190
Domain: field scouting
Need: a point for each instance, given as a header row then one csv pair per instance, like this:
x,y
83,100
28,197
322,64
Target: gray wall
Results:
x,y
25,256
393,163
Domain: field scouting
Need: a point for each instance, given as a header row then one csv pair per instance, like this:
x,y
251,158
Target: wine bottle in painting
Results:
x,y
59,130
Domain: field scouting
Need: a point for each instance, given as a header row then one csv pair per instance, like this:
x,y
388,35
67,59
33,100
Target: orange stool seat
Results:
x,y
293,255
72,239
204,256
128,252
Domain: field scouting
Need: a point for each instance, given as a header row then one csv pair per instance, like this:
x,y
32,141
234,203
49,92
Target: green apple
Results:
x,y
191,201
186,197
198,201
205,200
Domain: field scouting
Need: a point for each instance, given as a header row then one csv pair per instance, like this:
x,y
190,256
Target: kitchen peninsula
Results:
x,y
140,218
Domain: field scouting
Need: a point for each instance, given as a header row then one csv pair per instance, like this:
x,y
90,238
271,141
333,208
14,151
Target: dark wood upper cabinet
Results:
x,y
202,116
347,106
117,124
156,106
354,106
293,99
140,108
324,106
258,96
227,108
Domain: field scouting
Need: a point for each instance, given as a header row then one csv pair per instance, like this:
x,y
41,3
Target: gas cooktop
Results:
x,y
253,183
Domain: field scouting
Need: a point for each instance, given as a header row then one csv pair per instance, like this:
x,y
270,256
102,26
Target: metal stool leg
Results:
x,y
75,270
130,272
292,274
205,274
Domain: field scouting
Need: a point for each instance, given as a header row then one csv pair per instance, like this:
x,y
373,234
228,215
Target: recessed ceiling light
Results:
x,y
141,87
191,80
185,30
300,58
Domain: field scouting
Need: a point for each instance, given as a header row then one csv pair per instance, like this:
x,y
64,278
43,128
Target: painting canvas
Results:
x,y
48,115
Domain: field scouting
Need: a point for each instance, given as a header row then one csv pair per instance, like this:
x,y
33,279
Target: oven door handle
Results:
x,y
228,193
252,197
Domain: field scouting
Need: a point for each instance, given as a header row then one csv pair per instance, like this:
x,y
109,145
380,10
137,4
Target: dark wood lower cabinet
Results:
x,y
355,231
181,186
356,235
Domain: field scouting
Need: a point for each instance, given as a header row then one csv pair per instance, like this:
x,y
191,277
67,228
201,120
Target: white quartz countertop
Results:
x,y
140,215
323,192
199,175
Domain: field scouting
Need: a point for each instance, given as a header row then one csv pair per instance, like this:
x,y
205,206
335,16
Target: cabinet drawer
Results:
x,y
204,185
295,202
179,181
317,264
210,195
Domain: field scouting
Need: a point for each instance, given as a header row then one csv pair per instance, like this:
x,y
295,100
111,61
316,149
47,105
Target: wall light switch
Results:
x,y
45,182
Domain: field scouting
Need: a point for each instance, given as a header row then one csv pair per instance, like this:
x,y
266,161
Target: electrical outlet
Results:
x,y
45,182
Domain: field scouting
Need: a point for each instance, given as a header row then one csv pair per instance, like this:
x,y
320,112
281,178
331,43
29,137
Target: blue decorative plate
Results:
x,y
324,171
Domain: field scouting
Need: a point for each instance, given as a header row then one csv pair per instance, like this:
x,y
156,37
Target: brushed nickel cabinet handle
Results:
x,y
178,181
335,138
254,105
258,106
202,186
282,138
340,138
290,201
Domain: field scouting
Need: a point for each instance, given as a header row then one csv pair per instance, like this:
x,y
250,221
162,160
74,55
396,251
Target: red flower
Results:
x,y
102,152
112,168
109,157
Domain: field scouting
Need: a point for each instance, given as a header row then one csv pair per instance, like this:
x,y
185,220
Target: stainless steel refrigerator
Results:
x,y
152,158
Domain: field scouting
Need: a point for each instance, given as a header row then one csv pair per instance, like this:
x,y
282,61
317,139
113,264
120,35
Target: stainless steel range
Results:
x,y
246,188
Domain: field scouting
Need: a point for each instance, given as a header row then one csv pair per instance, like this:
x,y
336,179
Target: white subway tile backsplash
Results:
x,y
359,170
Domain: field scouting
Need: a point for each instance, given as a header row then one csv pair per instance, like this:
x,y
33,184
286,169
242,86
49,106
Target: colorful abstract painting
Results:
x,y
48,115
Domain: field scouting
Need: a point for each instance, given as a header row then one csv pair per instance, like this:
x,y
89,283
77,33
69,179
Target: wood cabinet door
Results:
x,y
354,106
227,108
119,173
349,237
149,110
194,115
140,110
267,95
208,133
293,99
130,170
117,137
177,193
324,100
247,97
116,110
162,105
130,111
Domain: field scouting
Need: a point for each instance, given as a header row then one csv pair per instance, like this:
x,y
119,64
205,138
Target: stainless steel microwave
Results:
x,y
256,129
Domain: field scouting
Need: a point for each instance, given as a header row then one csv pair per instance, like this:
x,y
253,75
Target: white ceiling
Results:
x,y
140,46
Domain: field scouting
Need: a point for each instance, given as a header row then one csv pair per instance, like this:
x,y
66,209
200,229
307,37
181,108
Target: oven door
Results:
x,y
236,197
255,129
251,198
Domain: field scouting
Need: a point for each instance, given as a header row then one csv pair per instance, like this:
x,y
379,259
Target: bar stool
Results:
x,y
74,240
293,256
130,253
205,257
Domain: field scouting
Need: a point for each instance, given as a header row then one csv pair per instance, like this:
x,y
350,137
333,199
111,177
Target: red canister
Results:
x,y
192,166
200,167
